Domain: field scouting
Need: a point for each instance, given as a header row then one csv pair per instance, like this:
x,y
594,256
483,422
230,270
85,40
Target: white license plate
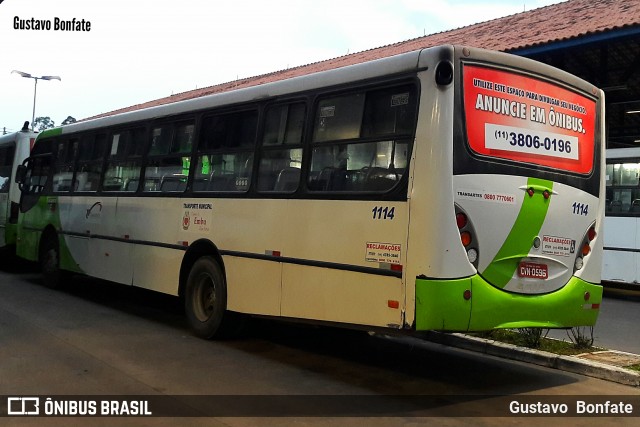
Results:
x,y
533,270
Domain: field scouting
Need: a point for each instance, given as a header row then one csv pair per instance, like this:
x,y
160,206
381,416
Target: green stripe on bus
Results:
x,y
518,243
50,132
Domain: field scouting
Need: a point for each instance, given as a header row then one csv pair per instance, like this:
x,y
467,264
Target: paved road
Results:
x,y
97,339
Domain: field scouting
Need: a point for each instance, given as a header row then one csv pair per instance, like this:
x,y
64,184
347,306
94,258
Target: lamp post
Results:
x,y
35,88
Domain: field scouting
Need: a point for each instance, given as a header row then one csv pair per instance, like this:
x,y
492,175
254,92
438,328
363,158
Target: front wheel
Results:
x,y
206,300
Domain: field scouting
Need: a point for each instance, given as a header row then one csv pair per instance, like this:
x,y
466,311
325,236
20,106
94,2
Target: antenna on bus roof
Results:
x,y
25,127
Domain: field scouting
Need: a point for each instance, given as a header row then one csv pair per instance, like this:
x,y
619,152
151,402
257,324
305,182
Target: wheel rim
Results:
x,y
204,297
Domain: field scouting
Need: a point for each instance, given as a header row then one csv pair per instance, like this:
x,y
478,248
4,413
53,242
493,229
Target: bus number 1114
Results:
x,y
385,212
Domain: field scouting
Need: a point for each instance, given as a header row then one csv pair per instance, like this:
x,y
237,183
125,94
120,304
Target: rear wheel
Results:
x,y
206,300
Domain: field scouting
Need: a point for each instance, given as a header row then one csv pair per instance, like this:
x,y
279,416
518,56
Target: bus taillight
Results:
x,y
461,220
585,248
467,236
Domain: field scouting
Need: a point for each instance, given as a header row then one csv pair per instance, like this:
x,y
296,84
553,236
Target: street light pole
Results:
x,y
35,88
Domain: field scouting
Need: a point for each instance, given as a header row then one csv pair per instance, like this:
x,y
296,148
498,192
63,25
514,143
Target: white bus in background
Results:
x,y
14,148
622,222
448,188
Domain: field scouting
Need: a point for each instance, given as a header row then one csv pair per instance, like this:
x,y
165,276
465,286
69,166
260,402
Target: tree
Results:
x,y
42,123
68,120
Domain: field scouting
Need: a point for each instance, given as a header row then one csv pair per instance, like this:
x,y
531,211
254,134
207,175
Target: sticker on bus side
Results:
x,y
486,196
389,253
524,119
197,217
559,246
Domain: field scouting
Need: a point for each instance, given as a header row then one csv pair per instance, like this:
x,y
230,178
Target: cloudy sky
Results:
x,y
140,50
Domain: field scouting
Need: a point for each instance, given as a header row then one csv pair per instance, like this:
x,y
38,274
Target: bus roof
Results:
x,y
398,64
393,65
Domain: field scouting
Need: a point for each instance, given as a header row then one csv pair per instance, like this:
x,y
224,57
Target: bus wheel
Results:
x,y
206,298
50,262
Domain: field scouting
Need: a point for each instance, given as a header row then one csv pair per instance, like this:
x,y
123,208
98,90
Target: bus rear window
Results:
x,y
527,120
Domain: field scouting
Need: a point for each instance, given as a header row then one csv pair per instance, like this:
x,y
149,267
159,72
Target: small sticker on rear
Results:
x,y
558,246
487,196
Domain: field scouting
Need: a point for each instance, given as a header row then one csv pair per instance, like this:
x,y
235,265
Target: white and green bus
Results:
x,y
450,188
14,148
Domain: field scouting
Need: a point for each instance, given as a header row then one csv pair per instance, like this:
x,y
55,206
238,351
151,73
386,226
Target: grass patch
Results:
x,y
523,339
580,341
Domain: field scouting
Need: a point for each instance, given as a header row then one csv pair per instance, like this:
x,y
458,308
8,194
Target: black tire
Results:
x,y
206,300
50,262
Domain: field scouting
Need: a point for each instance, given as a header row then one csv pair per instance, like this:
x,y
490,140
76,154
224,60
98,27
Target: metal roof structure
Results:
x,y
597,40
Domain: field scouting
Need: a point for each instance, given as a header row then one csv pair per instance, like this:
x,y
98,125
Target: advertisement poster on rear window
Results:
x,y
524,119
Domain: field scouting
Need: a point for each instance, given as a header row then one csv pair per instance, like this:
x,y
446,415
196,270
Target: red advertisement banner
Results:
x,y
515,117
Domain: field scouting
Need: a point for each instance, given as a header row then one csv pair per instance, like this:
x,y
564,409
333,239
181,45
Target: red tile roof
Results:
x,y
563,21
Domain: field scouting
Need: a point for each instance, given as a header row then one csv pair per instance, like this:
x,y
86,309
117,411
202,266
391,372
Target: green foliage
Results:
x,y
42,123
581,336
538,337
532,337
68,120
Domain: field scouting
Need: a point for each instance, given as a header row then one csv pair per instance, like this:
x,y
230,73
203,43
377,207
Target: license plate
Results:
x,y
533,270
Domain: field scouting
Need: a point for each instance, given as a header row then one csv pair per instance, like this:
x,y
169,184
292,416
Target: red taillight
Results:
x,y
468,236
531,192
465,238
586,247
461,220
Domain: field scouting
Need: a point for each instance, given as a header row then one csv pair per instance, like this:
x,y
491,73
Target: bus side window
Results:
x,y
281,153
125,160
623,188
225,152
64,165
169,160
362,141
90,156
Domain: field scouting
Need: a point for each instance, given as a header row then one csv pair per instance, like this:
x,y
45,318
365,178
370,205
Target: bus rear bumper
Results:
x,y
472,304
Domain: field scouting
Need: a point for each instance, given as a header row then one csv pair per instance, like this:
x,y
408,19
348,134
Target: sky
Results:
x,y
140,50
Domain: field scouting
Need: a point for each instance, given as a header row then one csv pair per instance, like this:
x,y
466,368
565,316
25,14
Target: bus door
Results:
x,y
111,240
109,250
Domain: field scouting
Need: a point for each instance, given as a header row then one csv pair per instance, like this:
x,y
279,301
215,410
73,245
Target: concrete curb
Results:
x,y
572,364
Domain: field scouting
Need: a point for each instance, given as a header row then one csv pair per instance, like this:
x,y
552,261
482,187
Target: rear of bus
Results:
x,y
526,213
14,148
